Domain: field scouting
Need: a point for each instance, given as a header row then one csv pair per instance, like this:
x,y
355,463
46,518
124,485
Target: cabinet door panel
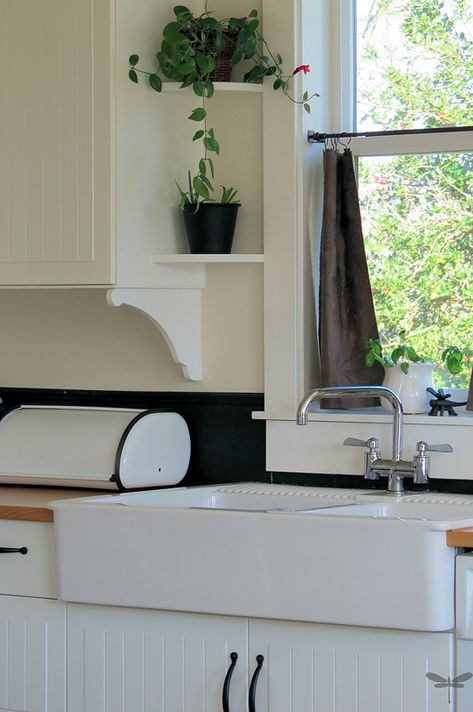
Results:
x,y
348,669
131,660
55,142
32,655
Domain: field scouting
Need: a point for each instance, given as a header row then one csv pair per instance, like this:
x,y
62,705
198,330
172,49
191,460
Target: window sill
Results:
x,y
370,415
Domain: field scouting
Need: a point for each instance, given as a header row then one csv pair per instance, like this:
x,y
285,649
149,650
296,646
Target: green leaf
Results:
x,y
200,187
405,367
211,166
253,13
197,135
202,167
412,355
155,82
307,108
209,88
133,76
277,84
171,29
305,96
198,88
219,44
198,114
133,59
211,144
370,359
181,10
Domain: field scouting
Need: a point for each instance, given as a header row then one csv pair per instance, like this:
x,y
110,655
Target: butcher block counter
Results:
x,y
461,537
30,504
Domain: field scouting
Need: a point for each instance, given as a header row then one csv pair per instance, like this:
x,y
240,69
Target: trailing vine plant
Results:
x,y
190,48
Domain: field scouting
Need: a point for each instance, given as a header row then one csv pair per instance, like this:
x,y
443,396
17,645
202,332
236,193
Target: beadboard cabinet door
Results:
x,y
55,142
346,669
32,654
132,660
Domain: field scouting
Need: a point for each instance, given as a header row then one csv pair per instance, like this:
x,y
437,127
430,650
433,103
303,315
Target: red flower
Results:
x,y
302,68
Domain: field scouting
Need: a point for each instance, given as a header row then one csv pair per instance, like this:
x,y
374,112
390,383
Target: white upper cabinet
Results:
x,y
55,143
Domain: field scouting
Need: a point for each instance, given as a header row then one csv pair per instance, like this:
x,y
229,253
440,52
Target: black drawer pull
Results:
x,y
253,684
11,550
226,683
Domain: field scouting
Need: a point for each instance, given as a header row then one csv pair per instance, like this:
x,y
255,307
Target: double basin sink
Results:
x,y
268,551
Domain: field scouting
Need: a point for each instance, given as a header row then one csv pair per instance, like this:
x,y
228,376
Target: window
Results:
x,y
414,69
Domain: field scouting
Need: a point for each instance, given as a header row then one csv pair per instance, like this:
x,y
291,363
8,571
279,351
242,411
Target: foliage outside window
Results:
x,y
415,70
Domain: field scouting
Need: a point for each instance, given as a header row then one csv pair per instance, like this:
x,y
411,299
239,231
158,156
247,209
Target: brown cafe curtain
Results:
x,y
346,311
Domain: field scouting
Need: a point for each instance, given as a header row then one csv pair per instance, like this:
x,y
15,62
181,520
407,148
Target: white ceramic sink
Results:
x,y
442,516
267,551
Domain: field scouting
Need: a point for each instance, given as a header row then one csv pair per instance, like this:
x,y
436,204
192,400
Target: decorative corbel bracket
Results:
x,y
177,312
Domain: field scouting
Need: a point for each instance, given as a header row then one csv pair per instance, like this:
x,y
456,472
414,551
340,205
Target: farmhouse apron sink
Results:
x,y
266,551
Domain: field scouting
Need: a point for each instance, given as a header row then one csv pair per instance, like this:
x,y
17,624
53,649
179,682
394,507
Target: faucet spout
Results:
x,y
318,394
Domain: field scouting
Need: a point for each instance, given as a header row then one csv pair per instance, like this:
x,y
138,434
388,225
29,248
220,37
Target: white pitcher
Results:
x,y
411,386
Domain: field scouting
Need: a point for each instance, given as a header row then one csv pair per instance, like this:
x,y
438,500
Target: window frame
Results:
x,y
314,32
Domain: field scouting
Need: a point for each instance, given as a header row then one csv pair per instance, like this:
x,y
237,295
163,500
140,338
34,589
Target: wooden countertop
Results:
x,y
461,537
31,503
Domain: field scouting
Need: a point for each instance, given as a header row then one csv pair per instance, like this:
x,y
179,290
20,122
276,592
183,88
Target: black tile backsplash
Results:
x,y
227,445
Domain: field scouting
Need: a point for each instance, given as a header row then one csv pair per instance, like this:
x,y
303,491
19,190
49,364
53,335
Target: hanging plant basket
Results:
x,y
223,59
211,228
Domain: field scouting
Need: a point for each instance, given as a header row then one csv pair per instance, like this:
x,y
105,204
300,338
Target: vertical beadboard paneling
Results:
x,y
34,139
151,661
86,33
70,149
32,654
5,137
17,10
52,168
322,668
55,142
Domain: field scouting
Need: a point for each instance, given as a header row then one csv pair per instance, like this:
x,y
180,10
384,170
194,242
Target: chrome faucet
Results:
x,y
396,468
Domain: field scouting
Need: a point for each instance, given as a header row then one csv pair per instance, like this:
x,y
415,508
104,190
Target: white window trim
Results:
x,y
293,195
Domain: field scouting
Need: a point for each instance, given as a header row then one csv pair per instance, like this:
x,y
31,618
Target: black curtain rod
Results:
x,y
316,137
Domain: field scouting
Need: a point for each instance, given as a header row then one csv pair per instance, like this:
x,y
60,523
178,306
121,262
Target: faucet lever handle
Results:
x,y
423,447
370,457
356,442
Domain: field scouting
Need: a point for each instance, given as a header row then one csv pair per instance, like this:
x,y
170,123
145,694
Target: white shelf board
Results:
x,y
206,259
241,87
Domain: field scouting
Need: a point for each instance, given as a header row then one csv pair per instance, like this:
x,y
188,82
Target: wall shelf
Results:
x,y
206,259
174,304
241,87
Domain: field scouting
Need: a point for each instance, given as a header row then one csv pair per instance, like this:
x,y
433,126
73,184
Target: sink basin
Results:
x,y
246,500
443,516
267,551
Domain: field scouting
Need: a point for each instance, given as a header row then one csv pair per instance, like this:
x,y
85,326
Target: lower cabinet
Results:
x,y
32,654
347,669
131,660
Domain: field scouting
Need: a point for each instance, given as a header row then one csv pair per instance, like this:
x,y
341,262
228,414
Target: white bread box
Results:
x,y
103,448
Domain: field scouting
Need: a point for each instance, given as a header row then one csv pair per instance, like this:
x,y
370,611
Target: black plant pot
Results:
x,y
210,229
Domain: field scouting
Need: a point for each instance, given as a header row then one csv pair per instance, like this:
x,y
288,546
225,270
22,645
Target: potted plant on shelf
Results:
x,y
196,51
407,373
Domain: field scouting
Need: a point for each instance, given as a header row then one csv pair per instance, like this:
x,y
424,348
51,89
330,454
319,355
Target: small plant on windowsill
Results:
x,y
196,51
402,355
407,373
